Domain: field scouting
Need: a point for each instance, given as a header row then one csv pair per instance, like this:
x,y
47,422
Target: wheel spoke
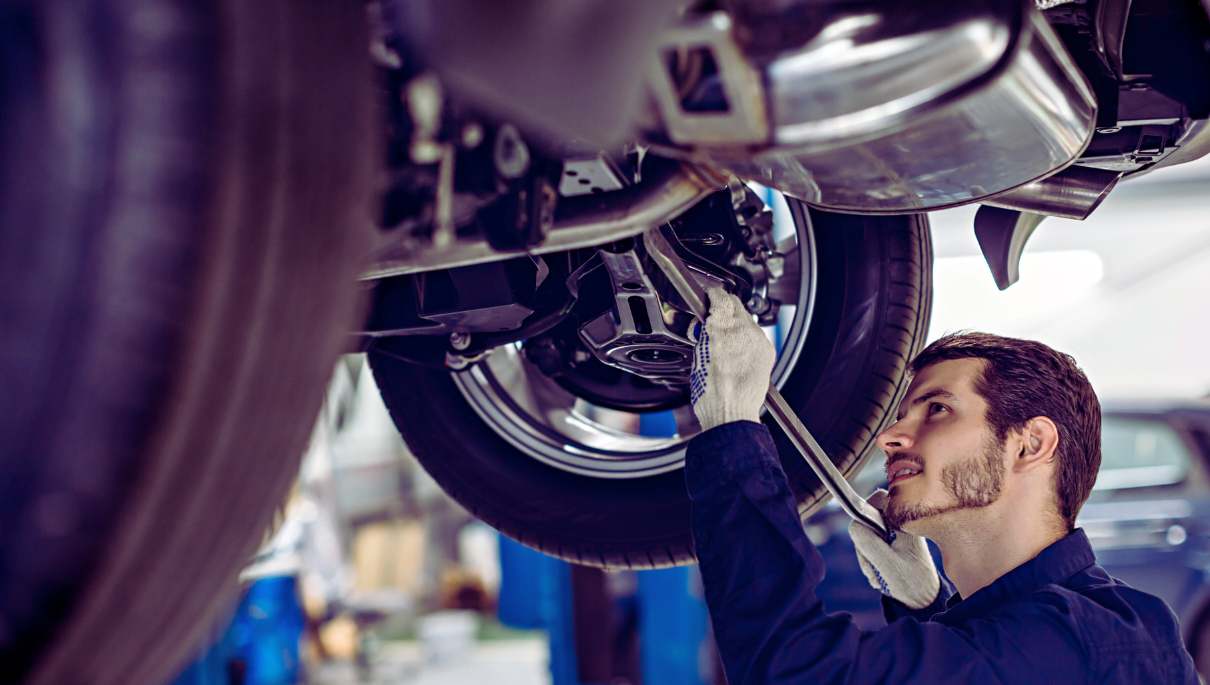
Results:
x,y
548,422
785,289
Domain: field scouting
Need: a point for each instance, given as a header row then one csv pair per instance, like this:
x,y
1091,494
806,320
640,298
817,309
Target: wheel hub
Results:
x,y
556,398
657,357
641,333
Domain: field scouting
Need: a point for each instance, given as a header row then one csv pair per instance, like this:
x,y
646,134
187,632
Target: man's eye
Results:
x,y
935,408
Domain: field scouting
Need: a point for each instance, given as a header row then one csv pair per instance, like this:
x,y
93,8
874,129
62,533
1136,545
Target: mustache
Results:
x,y
916,459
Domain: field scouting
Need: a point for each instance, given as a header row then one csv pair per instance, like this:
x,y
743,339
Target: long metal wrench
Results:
x,y
691,291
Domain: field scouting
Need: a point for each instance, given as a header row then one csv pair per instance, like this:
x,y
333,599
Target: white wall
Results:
x,y
1127,292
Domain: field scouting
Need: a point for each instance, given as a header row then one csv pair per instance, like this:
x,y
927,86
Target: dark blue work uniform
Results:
x,y
1058,618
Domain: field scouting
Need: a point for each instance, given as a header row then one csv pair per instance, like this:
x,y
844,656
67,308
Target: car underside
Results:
x,y
512,260
205,203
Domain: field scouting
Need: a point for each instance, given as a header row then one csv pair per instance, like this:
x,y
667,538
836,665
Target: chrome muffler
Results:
x,y
874,107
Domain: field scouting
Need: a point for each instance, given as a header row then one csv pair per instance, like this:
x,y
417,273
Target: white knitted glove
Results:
x,y
903,569
732,363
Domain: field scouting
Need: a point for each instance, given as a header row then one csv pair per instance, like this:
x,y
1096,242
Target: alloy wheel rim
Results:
x,y
546,422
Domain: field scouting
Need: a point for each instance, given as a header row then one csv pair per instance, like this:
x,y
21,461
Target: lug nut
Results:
x,y
756,304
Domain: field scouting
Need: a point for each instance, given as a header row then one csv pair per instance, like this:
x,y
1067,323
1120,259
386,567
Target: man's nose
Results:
x,y
895,437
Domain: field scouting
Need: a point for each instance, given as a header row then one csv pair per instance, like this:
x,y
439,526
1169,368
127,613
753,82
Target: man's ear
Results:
x,y
1039,443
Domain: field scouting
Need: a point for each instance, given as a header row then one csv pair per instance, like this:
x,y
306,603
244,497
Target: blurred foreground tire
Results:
x,y
183,199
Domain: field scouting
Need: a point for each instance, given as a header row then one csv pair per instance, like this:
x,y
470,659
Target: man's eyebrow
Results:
x,y
937,392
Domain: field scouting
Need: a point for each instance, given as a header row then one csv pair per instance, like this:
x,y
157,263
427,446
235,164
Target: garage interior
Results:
x,y
361,342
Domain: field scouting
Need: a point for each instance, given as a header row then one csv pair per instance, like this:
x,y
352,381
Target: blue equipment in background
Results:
x,y
674,647
536,592
260,644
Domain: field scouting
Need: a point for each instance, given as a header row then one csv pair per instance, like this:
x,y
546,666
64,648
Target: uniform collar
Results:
x,y
1058,562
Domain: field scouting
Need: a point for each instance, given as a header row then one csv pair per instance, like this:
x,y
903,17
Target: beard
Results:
x,y
972,483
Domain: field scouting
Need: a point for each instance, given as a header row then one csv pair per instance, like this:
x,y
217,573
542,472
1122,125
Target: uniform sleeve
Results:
x,y
893,609
760,571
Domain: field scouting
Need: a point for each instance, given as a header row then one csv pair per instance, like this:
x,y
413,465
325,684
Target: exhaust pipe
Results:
x,y
667,190
1073,193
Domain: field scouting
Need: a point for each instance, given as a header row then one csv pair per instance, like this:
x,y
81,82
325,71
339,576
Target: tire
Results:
x,y
871,312
184,186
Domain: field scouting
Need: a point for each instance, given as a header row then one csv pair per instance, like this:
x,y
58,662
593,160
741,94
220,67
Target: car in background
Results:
x,y
1148,517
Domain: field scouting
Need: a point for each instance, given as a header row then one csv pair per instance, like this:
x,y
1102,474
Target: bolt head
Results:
x,y
472,135
756,304
510,154
460,340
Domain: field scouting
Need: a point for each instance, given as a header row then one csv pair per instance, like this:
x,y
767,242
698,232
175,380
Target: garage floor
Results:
x,y
509,662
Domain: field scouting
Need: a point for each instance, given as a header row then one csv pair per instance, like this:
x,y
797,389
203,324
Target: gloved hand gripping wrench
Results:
x,y
686,285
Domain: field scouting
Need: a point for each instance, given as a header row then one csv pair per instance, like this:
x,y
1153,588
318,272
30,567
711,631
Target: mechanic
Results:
x,y
995,449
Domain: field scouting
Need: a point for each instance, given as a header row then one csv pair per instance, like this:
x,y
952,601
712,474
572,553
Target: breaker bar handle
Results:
x,y
694,295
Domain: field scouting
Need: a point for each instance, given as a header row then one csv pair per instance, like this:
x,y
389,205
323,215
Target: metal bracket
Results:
x,y
744,120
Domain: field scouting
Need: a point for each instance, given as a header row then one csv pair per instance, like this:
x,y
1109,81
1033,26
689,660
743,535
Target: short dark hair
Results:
x,y
1022,379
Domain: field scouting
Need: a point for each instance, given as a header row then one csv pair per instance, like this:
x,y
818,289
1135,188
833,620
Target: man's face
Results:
x,y
941,454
